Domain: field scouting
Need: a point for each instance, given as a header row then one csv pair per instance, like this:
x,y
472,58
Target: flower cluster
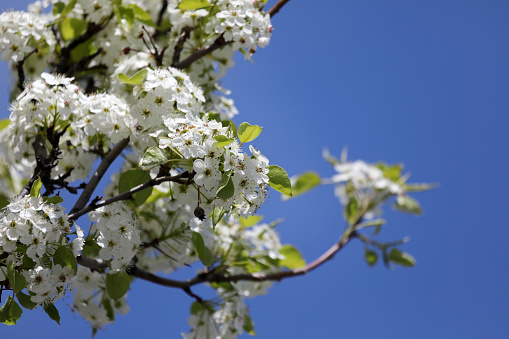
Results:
x,y
21,33
118,234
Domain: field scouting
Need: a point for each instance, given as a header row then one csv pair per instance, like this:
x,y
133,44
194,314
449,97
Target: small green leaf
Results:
x,y
250,220
131,179
71,28
153,156
278,180
25,301
351,211
125,13
406,204
3,201
401,258
64,257
53,200
135,80
221,141
141,15
217,215
117,284
371,257
292,259
193,4
20,282
204,254
68,8
52,311
110,313
225,189
247,132
58,8
36,188
10,312
393,172
4,123
305,182
248,325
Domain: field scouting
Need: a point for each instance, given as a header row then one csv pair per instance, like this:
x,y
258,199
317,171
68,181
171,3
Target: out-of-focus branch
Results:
x,y
218,43
184,35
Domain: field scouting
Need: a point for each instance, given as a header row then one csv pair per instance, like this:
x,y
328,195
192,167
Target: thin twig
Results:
x,y
276,7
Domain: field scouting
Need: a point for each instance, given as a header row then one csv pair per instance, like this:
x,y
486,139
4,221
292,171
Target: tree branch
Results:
x,y
218,43
182,178
99,172
276,7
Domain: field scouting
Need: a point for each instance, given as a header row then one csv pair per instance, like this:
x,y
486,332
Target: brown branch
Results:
x,y
218,43
276,7
21,72
184,35
182,178
99,172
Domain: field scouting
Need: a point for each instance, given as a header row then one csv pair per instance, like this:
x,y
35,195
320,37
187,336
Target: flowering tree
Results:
x,y
139,80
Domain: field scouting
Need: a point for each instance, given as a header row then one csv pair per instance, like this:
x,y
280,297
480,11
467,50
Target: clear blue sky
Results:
x,y
420,82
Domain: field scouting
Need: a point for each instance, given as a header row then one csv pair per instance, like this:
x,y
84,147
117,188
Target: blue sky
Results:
x,y
419,82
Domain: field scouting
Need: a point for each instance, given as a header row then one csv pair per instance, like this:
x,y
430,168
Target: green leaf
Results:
x,y
71,28
278,180
292,259
393,172
204,254
68,8
90,248
125,13
16,280
25,301
141,15
406,204
153,156
248,325
217,215
110,313
193,4
52,311
36,188
401,258
247,132
10,312
131,179
371,257
351,211
83,50
250,220
4,123
135,80
117,284
221,141
3,201
58,8
225,189
64,257
305,182
53,200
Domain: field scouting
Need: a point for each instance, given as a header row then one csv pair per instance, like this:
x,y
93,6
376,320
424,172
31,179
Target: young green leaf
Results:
x,y
278,180
10,312
133,178
53,200
204,254
247,132
135,80
4,123
293,258
371,257
117,284
406,204
221,141
225,189
249,326
68,8
401,258
25,301
217,215
71,28
52,311
36,188
142,16
250,220
351,211
304,182
64,257
153,156
193,4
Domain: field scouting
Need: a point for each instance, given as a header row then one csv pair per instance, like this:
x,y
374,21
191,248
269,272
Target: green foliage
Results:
x,y
133,178
35,191
153,156
204,254
53,200
64,257
293,259
222,141
249,326
225,189
250,220
278,180
135,80
371,257
406,204
117,284
16,280
217,215
193,4
25,301
52,312
71,28
4,123
305,182
401,258
247,132
351,211
10,312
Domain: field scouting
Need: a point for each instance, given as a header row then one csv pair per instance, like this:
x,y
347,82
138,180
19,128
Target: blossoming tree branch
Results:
x,y
138,81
